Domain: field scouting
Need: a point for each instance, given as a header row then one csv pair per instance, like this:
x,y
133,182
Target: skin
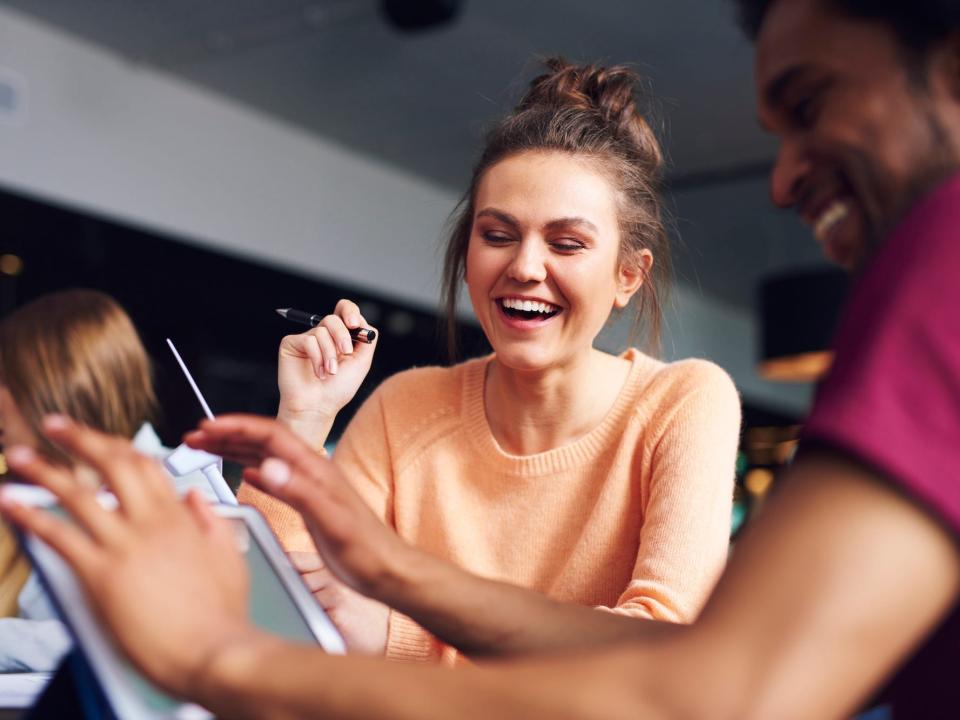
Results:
x,y
831,589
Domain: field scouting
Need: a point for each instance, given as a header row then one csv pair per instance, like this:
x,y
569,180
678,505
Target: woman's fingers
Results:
x,y
305,562
318,580
328,348
305,345
349,312
339,333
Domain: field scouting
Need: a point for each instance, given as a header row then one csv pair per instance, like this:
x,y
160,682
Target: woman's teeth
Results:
x,y
528,309
831,217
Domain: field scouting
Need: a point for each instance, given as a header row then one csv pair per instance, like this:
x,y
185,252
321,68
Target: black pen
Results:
x,y
361,334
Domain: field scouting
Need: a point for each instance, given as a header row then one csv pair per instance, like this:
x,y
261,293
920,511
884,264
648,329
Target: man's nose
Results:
x,y
789,171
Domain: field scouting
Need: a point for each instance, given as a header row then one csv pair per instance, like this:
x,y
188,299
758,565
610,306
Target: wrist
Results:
x,y
405,574
313,426
226,670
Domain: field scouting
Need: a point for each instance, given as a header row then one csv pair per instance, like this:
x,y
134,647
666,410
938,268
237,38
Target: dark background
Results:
x,y
217,309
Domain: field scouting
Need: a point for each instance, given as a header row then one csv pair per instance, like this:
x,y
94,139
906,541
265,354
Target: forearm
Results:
x,y
488,618
305,682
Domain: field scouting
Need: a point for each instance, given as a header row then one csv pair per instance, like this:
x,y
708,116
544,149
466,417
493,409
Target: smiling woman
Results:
x,y
596,479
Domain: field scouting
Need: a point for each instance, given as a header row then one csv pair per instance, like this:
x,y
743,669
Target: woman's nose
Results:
x,y
528,263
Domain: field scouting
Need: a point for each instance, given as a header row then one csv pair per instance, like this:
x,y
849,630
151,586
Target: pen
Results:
x,y
361,334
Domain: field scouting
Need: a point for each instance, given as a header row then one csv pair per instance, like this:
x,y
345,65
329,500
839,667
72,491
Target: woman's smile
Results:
x,y
543,259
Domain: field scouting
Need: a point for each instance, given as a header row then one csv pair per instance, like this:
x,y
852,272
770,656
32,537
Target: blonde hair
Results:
x,y
76,353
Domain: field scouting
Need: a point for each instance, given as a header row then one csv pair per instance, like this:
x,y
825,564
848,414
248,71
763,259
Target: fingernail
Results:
x,y
19,454
346,347
332,366
355,321
55,422
274,472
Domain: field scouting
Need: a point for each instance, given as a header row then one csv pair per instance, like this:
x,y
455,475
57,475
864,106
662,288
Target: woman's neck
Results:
x,y
534,411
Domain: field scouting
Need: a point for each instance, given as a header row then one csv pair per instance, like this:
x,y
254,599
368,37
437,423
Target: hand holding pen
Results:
x,y
320,370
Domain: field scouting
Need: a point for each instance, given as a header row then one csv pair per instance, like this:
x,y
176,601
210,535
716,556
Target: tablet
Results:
x,y
280,604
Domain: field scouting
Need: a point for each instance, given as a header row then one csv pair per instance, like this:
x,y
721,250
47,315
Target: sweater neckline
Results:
x,y
578,452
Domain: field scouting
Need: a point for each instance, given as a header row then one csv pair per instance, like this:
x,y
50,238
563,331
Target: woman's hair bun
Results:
x,y
610,93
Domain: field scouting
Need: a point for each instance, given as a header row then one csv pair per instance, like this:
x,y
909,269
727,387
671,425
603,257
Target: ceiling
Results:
x,y
421,101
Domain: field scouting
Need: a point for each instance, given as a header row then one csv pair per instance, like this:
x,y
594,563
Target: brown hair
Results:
x,y
76,353
588,111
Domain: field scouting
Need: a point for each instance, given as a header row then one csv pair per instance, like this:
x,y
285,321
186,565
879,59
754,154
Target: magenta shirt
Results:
x,y
892,401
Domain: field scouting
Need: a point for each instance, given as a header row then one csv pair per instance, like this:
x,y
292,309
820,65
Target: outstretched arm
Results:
x,y
831,589
475,615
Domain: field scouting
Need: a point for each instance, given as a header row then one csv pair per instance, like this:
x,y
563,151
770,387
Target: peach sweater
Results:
x,y
633,517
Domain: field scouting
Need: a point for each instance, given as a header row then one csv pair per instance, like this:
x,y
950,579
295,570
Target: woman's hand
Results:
x,y
164,575
355,545
319,372
361,621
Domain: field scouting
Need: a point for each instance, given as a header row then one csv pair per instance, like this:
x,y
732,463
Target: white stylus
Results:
x,y
185,460
196,390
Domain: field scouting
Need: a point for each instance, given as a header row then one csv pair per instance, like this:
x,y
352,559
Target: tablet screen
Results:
x,y
271,608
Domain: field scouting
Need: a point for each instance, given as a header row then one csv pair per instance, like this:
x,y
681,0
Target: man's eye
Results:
x,y
804,113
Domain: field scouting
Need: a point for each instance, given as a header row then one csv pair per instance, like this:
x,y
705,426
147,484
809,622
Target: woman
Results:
x,y
596,479
75,353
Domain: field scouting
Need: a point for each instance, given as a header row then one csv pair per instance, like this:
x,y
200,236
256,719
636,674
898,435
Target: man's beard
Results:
x,y
938,162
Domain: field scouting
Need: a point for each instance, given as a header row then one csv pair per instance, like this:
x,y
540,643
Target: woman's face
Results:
x,y
14,429
543,266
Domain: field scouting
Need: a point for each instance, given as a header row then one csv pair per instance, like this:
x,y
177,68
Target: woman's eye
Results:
x,y
567,245
496,238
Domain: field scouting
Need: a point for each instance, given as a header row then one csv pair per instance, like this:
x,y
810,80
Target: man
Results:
x,y
851,573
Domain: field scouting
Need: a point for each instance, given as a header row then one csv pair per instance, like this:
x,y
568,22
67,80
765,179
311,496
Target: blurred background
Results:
x,y
207,162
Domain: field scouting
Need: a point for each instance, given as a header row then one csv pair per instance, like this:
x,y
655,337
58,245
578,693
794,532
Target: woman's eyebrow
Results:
x,y
574,222
499,215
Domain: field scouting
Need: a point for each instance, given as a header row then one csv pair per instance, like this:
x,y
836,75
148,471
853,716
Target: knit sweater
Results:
x,y
633,517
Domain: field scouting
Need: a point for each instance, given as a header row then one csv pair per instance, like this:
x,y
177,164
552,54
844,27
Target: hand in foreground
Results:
x,y
163,575
361,621
355,545
319,371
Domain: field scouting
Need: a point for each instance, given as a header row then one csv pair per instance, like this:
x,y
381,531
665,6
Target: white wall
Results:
x,y
137,145
127,142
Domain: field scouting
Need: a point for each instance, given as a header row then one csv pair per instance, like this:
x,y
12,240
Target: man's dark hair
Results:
x,y
920,25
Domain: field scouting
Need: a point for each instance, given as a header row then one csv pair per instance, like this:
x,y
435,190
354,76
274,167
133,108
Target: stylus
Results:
x,y
196,390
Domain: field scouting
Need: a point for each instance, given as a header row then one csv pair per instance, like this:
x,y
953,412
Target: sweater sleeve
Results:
x,y
366,453
687,506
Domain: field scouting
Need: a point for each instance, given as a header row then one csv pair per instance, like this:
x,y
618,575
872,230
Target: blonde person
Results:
x,y
74,352
597,479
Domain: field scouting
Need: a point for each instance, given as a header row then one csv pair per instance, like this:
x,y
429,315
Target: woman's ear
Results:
x,y
631,276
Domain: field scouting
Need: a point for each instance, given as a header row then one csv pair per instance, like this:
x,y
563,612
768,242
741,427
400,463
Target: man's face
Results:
x,y
862,133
